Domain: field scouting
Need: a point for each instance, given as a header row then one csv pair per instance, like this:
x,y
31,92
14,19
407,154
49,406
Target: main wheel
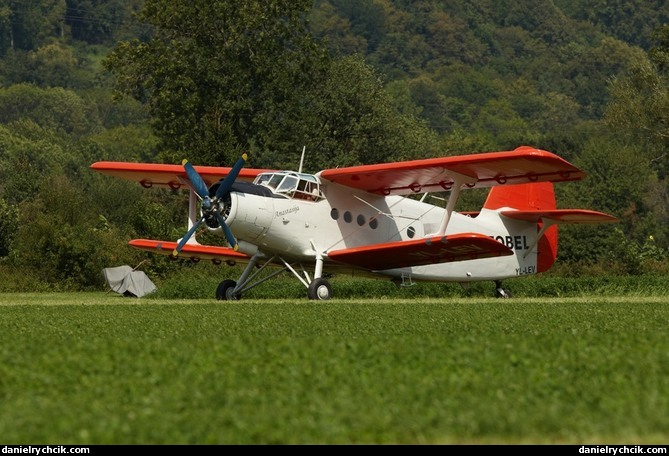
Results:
x,y
320,289
225,291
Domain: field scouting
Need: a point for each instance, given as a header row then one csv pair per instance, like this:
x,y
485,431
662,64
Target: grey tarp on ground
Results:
x,y
127,281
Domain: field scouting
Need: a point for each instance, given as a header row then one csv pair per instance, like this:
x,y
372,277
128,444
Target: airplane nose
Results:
x,y
211,206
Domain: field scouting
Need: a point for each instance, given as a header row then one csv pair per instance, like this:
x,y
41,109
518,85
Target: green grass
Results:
x,y
96,368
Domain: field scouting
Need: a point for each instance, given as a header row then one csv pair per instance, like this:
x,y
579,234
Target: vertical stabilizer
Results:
x,y
539,196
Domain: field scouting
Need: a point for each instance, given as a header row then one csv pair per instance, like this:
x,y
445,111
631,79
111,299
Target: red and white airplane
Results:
x,y
363,220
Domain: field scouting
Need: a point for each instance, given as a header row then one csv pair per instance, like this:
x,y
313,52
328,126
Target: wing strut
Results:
x,y
458,181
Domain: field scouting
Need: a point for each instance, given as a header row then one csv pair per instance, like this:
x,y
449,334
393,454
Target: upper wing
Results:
x,y
561,216
522,165
419,252
192,251
172,176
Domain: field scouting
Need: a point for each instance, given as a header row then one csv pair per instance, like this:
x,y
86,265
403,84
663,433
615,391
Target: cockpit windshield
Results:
x,y
291,184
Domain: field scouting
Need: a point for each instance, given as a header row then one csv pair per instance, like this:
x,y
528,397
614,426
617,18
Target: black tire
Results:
x,y
320,289
224,291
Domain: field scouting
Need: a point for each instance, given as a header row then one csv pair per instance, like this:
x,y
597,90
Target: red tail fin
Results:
x,y
538,196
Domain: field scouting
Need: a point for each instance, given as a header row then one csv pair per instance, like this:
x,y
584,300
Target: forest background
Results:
x,y
353,81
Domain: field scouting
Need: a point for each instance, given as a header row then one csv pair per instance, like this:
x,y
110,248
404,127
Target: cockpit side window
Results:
x,y
262,179
292,185
275,180
288,184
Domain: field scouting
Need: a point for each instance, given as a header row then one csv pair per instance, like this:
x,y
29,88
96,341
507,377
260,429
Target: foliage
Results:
x,y
98,21
9,217
352,81
635,257
29,25
58,231
632,21
353,121
639,104
214,72
30,155
53,108
268,89
618,182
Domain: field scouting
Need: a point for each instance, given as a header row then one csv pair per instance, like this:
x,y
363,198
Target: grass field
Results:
x,y
98,368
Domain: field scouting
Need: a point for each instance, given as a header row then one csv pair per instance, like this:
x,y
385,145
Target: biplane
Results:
x,y
370,220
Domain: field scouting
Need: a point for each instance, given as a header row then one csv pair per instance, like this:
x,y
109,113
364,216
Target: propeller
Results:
x,y
210,205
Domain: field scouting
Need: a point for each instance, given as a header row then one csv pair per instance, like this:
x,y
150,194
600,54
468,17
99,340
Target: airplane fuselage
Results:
x,y
300,229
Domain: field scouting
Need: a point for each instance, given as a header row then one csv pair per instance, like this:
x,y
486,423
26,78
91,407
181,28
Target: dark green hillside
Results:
x,y
355,81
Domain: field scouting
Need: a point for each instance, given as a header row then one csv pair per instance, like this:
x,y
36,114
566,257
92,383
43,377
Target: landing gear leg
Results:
x,y
228,290
319,288
501,292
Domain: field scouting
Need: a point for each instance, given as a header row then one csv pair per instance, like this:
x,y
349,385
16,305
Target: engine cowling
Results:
x,y
247,210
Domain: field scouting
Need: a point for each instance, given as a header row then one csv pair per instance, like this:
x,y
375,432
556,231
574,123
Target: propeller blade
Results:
x,y
199,185
188,235
226,185
228,234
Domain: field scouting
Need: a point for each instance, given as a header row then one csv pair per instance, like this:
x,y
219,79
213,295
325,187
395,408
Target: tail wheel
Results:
x,y
225,291
320,289
501,292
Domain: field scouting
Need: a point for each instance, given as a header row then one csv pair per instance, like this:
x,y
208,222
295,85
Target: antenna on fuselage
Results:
x,y
304,148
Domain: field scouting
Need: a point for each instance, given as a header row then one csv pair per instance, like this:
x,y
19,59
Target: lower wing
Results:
x,y
191,251
420,252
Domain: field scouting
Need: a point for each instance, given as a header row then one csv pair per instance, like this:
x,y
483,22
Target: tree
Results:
x,y
100,21
353,120
639,107
29,25
223,78
9,217
639,112
61,240
56,109
215,72
617,183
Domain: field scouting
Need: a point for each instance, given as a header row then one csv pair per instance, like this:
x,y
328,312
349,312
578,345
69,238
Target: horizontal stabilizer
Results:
x,y
560,216
199,251
419,252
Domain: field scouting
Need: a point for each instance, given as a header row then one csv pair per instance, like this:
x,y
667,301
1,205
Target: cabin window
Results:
x,y
307,190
